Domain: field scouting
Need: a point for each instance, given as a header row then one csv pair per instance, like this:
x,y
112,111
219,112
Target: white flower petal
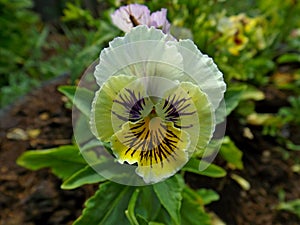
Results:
x,y
202,71
142,52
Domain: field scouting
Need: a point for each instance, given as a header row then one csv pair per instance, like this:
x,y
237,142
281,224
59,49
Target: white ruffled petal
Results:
x,y
142,52
201,70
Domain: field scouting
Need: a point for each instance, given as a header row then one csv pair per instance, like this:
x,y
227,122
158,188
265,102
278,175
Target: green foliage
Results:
x,y
291,146
86,175
289,58
82,100
232,97
16,85
291,114
21,38
273,124
85,45
14,23
192,209
31,53
231,154
292,206
252,93
169,194
208,196
107,206
130,211
64,161
75,13
148,205
241,181
210,171
169,202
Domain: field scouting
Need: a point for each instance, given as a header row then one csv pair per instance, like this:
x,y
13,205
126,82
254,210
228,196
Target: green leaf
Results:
x,y
164,216
148,205
291,146
64,161
259,119
231,153
87,175
169,195
156,223
252,93
208,195
81,97
232,97
245,108
211,170
292,206
107,206
68,91
130,211
192,210
241,181
289,58
141,220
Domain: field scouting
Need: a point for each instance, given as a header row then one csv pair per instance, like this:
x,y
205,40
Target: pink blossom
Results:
x,y
127,17
159,20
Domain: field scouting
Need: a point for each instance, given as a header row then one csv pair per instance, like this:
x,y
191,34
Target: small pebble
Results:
x,y
44,116
17,134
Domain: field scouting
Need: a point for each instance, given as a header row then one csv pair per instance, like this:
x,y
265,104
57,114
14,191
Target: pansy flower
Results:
x,y
159,20
156,103
240,32
127,17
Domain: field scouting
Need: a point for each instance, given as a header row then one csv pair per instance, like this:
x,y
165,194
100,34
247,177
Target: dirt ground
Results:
x,y
40,120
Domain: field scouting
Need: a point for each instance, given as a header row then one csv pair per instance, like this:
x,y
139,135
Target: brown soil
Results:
x,y
26,197
35,198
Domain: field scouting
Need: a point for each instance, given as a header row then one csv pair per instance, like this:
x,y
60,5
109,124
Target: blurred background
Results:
x,y
43,39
